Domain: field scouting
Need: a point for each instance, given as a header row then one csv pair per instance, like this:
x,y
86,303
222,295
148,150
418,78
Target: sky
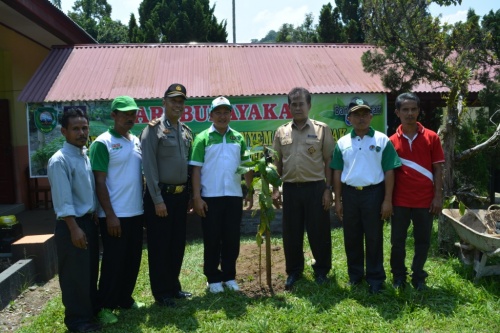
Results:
x,y
255,18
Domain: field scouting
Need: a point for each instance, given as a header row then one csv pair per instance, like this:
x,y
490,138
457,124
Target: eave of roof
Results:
x,y
42,22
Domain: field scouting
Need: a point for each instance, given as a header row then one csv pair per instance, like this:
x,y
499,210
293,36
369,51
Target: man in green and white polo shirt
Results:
x,y
116,161
217,195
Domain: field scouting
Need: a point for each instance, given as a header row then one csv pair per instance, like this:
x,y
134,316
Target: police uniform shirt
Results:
x,y
303,151
165,153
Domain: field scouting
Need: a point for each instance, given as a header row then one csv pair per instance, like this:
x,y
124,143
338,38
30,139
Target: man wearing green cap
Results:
x,y
116,161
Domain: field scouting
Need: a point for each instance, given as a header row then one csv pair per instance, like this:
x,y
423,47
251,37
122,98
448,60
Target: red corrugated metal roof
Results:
x,y
144,71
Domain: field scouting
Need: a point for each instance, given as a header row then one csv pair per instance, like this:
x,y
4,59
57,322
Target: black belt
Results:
x,y
303,184
172,189
363,188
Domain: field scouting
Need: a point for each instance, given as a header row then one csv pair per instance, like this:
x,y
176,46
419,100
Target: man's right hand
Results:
x,y
161,209
276,196
78,238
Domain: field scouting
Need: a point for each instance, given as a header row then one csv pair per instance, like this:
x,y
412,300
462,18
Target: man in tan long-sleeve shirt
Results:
x,y
304,149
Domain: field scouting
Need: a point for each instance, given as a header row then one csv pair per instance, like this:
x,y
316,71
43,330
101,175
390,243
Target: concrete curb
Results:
x,y
15,279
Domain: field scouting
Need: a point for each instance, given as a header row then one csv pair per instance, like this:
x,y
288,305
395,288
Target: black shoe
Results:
x,y
354,283
183,294
419,285
375,288
321,279
399,284
86,327
167,302
290,281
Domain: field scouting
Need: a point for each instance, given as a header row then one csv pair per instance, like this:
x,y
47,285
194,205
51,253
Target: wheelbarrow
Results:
x,y
477,245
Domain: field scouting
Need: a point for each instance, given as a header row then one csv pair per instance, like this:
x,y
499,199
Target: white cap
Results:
x,y
220,101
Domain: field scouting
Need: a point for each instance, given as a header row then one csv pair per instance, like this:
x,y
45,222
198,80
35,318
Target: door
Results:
x,y
7,194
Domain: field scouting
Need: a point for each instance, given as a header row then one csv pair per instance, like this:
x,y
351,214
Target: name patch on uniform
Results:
x,y
311,136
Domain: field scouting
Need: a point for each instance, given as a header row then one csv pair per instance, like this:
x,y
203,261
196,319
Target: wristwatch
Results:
x,y
329,187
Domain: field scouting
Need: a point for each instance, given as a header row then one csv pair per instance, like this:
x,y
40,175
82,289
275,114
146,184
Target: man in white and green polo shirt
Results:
x,y
217,195
116,161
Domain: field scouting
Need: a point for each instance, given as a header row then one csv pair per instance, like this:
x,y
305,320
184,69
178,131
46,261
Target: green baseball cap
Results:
x,y
124,103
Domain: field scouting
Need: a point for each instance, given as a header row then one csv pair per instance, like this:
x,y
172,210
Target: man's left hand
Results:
x,y
386,210
113,226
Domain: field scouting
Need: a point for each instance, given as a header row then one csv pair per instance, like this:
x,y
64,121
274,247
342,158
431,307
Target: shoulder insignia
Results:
x,y
154,122
186,127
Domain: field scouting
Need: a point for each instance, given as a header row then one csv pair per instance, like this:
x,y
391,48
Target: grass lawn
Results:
x,y
453,302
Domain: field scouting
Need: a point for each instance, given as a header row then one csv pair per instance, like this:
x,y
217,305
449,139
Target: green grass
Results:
x,y
453,303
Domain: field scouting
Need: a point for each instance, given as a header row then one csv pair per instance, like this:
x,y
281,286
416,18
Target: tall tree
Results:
x,y
414,47
330,28
174,21
351,13
304,33
341,24
94,16
286,34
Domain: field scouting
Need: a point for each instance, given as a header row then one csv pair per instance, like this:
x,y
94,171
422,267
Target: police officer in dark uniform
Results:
x,y
166,144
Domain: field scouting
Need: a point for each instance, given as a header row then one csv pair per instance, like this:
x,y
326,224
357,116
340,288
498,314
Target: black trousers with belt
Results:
x,y
363,224
78,271
303,210
166,238
121,260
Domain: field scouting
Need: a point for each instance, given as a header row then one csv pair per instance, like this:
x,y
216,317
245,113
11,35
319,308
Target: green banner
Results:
x,y
255,117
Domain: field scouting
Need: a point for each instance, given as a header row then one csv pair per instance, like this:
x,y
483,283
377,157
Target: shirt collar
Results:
x,y
74,149
115,133
420,129
213,129
307,123
371,132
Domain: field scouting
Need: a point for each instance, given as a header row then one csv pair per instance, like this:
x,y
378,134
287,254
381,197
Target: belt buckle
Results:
x,y
359,188
179,189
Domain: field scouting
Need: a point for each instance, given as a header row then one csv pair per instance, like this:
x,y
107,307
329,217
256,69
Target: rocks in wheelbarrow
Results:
x,y
473,221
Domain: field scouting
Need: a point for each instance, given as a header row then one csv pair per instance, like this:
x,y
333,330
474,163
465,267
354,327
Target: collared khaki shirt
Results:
x,y
304,152
165,154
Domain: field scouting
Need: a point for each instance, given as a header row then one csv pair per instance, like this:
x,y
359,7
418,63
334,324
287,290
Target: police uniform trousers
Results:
x,y
221,237
422,228
362,222
78,271
121,260
166,239
303,210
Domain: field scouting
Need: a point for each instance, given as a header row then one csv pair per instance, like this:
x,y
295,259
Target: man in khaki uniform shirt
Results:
x,y
304,148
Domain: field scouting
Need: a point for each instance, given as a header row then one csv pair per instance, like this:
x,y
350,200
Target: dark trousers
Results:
x,y
221,237
78,271
121,260
422,228
303,210
166,242
362,223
